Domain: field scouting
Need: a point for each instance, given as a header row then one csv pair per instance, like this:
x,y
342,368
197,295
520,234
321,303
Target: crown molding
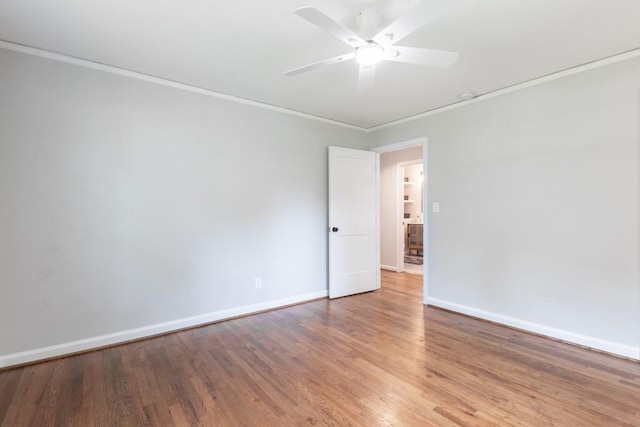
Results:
x,y
16,47
529,83
165,82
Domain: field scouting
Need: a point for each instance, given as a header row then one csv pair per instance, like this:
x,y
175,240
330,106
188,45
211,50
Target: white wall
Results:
x,y
389,197
539,221
125,204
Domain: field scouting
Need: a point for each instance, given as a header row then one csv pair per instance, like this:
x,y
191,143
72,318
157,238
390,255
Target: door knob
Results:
x,y
334,229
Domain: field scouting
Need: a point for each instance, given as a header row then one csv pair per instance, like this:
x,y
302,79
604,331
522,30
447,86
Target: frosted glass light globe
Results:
x,y
369,54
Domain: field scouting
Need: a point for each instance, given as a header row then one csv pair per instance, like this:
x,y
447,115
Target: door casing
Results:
x,y
425,196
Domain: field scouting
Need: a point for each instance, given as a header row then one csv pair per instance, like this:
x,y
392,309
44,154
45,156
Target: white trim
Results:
x,y
399,218
189,88
534,82
377,226
400,145
389,268
426,202
572,337
148,331
164,82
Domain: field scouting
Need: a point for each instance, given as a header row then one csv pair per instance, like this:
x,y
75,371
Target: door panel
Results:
x,y
354,256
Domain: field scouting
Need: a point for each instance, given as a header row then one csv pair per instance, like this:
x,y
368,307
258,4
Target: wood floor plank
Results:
x,y
376,359
8,391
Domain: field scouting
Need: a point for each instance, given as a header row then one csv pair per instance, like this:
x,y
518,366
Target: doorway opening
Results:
x,y
395,229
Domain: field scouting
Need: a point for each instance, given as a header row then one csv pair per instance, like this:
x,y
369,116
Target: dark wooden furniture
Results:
x,y
414,238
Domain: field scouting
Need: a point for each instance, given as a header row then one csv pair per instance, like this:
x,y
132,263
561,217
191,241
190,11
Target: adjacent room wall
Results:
x,y
389,188
538,192
125,204
413,191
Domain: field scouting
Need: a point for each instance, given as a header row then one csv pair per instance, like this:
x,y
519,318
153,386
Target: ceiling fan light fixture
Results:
x,y
369,54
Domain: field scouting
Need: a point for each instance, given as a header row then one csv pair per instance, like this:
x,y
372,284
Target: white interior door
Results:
x,y
354,255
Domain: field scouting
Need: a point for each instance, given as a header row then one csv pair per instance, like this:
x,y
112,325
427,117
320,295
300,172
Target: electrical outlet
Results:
x,y
258,282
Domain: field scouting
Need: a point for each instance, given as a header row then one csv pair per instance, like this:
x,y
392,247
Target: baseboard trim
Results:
x,y
623,350
389,267
65,349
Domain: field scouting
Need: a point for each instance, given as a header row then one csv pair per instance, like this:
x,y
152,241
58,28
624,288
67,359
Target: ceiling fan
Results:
x,y
381,47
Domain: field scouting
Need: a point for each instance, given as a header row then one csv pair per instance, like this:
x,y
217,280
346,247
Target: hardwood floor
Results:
x,y
380,358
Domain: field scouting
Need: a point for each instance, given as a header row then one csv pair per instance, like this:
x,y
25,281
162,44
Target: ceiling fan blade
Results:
x,y
428,57
366,77
323,63
423,13
321,20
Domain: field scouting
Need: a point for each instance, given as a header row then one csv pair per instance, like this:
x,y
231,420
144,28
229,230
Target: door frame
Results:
x,y
424,142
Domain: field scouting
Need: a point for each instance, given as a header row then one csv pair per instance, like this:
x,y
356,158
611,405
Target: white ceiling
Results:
x,y
242,47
